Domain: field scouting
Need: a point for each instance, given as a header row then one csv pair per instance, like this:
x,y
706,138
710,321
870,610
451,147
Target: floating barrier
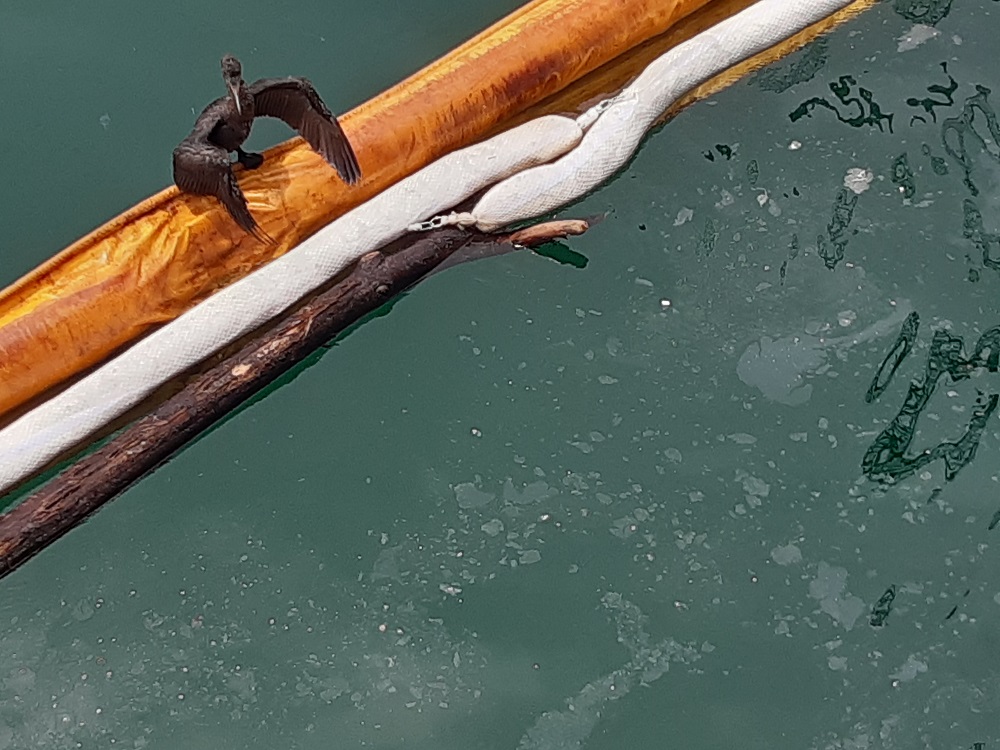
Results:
x,y
592,147
160,258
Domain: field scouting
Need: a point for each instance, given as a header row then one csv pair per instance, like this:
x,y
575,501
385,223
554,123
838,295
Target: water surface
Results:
x,y
644,503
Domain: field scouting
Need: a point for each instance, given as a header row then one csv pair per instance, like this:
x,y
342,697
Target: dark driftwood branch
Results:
x,y
101,476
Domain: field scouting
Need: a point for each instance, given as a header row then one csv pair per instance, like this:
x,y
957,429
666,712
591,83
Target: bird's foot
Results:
x,y
249,161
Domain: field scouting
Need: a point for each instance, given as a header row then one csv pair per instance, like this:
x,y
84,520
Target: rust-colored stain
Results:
x,y
166,254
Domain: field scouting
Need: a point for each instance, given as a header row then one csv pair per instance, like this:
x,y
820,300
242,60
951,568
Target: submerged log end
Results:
x,y
539,234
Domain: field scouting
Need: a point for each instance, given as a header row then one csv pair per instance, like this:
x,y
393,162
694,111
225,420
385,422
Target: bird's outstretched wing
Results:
x,y
204,169
295,101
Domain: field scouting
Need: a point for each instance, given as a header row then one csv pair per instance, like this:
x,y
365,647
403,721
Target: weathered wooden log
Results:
x,y
150,441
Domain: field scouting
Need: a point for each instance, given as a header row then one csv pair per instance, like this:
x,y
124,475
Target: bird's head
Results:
x,y
232,74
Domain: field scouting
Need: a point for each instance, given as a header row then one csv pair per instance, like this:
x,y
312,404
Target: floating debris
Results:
x,y
830,589
975,231
882,607
916,36
843,212
902,176
793,253
994,522
886,456
709,236
683,216
788,554
923,11
724,151
858,179
897,353
962,125
938,163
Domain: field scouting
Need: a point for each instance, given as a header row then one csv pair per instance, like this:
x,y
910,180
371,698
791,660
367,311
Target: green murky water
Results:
x,y
644,503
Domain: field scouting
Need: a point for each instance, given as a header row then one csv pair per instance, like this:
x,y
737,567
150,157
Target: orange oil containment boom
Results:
x,y
160,258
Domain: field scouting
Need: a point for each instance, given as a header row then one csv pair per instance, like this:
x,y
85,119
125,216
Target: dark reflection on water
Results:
x,y
887,454
955,130
866,110
929,104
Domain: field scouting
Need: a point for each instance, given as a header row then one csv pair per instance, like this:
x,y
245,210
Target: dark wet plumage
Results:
x,y
201,161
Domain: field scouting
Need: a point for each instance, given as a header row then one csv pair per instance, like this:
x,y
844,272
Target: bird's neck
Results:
x,y
246,101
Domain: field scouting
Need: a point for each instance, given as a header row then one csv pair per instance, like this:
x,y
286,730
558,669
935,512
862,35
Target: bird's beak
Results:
x,y
234,90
